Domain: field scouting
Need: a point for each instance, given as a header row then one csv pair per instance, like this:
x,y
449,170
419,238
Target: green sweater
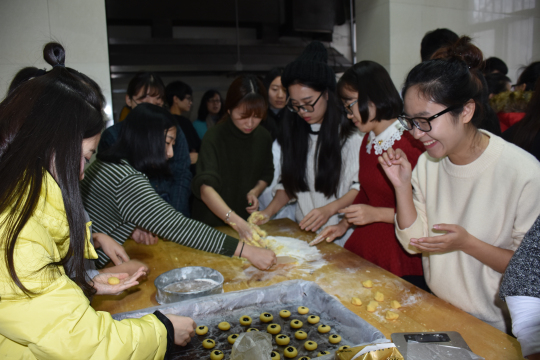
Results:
x,y
232,163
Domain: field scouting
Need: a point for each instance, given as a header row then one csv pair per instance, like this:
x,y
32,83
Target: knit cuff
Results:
x,y
170,333
209,178
229,246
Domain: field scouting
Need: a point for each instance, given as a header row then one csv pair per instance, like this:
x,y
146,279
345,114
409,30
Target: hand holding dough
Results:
x,y
372,306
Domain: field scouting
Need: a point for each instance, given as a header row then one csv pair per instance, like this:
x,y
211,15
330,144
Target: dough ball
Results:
x,y
344,347
367,284
372,306
113,280
323,329
232,338
224,326
284,313
201,330
379,296
208,343
334,339
390,315
245,320
252,329
216,355
310,345
282,340
302,310
266,317
274,355
273,329
356,301
395,304
322,353
300,335
296,324
304,358
290,352
313,319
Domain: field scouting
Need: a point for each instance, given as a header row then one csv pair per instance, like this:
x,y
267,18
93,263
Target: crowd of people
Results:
x,y
438,184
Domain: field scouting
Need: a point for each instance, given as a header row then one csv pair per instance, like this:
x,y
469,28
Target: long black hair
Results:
x,y
203,106
528,127
294,140
142,141
42,125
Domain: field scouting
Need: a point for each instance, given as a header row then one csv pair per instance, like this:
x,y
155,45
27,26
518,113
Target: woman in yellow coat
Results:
x,y
49,127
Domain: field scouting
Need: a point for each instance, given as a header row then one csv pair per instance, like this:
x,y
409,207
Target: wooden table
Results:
x,y
341,277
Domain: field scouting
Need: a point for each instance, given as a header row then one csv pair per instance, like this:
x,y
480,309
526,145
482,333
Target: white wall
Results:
x,y
390,31
79,25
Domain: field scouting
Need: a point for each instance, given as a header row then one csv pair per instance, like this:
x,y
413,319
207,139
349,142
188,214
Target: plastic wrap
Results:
x,y
252,345
194,281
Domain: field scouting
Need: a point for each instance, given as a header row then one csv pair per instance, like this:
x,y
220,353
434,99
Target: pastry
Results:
x,y
367,284
273,329
310,345
266,317
113,280
290,352
274,355
323,329
245,320
322,353
379,296
395,304
356,301
334,339
232,338
313,319
304,358
208,343
224,326
201,330
282,340
372,306
284,313
390,315
296,324
302,310
300,335
252,329
216,355
344,347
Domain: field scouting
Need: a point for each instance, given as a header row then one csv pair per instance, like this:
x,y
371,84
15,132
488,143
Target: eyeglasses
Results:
x,y
306,107
422,123
348,108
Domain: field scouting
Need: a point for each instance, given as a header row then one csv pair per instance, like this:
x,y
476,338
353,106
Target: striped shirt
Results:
x,y
120,198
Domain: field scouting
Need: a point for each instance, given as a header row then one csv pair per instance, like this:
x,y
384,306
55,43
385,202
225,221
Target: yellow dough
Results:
x,y
304,358
208,343
201,330
379,296
368,284
273,329
252,329
290,352
113,280
245,320
322,353
216,355
224,326
232,338
344,347
310,345
296,324
323,329
302,310
334,339
284,313
300,335
372,306
274,355
390,315
313,319
282,340
356,301
395,304
266,317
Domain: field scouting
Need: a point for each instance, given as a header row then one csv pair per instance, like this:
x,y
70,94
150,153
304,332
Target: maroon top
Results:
x,y
377,242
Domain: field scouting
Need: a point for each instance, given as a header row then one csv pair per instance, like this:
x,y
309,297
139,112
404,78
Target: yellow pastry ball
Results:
x,y
300,335
252,329
284,313
290,352
379,296
372,306
313,319
344,347
245,320
208,343
232,338
274,355
304,358
216,355
310,345
273,329
201,330
367,284
323,329
296,324
395,304
322,353
390,315
334,339
356,301
302,310
266,317
113,280
282,340
224,326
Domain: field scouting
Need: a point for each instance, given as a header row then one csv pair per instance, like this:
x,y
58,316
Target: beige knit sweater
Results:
x,y
496,198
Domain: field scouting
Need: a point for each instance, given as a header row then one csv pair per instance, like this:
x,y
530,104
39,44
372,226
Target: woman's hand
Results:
x,y
184,329
360,214
396,167
316,218
253,202
141,236
111,248
262,259
193,156
258,218
103,287
331,233
245,230
456,238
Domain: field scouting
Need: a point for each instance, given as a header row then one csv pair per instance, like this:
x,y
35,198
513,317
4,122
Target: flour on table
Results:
x,y
298,249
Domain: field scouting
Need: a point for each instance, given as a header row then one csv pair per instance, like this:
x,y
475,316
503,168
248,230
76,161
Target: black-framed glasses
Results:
x,y
348,108
306,107
423,123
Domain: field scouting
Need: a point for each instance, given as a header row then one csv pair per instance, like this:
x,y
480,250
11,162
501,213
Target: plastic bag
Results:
x,y
252,345
438,352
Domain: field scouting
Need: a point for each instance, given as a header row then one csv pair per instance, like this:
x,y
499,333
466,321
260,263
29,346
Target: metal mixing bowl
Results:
x,y
190,282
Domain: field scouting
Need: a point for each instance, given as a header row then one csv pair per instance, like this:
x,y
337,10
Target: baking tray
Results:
x,y
287,295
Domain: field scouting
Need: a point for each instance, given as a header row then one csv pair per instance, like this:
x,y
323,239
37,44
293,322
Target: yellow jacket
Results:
x,y
59,323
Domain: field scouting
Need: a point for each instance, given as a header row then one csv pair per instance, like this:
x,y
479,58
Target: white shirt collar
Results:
x,y
386,139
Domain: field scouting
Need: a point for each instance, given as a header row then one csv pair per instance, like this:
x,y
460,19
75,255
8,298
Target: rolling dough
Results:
x,y
201,330
252,329
273,329
356,301
334,339
274,355
344,347
372,306
232,338
302,310
390,315
323,329
245,320
379,296
367,284
296,324
284,313
208,343
113,280
282,340
266,317
310,345
224,326
216,355
395,304
322,353
300,335
313,319
290,352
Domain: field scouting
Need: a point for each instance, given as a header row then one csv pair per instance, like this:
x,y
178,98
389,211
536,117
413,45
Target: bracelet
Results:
x,y
243,243
228,215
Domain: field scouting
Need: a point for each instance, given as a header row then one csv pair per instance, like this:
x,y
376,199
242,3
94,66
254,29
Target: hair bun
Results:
x,y
463,50
54,54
